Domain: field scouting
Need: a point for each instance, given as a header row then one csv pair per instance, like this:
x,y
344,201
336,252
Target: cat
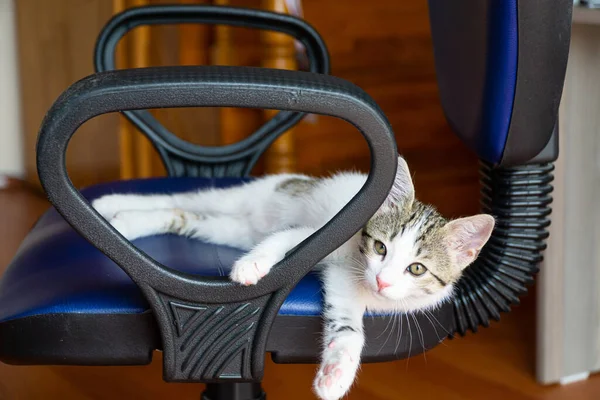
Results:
x,y
406,258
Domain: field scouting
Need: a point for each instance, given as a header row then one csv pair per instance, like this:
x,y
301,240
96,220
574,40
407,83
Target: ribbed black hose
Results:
x,y
520,200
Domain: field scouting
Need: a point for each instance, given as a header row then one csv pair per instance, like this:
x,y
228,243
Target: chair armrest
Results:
x,y
164,87
179,156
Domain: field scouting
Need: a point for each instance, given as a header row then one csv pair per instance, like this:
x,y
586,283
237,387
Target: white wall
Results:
x,y
11,144
569,282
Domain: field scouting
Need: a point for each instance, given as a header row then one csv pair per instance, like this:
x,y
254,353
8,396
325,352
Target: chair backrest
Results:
x,y
182,158
500,68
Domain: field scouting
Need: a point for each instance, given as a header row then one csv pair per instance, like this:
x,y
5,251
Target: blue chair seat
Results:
x,y
64,302
56,271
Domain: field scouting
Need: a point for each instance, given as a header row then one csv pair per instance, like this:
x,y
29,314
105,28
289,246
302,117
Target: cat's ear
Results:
x,y
403,190
465,237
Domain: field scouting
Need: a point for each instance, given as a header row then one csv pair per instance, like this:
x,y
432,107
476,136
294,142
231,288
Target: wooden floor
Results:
x,y
497,363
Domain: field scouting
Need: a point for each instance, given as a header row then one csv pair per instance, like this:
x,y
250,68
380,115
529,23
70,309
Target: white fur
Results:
x,y
269,222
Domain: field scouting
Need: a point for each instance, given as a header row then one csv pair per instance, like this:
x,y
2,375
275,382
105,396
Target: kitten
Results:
x,y
406,258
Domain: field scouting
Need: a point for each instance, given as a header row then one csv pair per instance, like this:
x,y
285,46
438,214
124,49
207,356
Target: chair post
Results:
x,y
234,391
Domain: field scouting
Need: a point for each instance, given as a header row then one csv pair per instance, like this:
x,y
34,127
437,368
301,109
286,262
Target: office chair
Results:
x,y
78,293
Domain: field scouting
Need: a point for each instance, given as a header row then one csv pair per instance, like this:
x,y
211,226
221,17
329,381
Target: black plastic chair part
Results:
x,y
182,158
500,69
165,288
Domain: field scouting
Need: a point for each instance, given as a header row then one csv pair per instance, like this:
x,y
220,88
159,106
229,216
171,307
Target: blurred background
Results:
x,y
384,47
391,59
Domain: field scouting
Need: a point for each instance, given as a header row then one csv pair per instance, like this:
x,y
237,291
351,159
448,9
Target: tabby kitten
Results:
x,y
406,258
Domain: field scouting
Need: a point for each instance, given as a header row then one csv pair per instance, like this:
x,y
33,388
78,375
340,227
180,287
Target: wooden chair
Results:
x,y
278,51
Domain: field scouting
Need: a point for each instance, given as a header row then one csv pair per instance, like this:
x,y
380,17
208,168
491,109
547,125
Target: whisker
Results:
x,y
439,323
429,314
410,345
389,334
399,334
440,340
421,337
385,329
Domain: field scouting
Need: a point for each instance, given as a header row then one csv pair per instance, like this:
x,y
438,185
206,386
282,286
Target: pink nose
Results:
x,y
381,284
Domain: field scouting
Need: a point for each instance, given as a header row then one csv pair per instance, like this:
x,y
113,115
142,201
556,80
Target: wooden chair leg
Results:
x,y
279,52
232,121
126,130
134,52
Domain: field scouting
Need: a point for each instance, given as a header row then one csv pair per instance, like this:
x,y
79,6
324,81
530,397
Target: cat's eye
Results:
x,y
379,248
417,269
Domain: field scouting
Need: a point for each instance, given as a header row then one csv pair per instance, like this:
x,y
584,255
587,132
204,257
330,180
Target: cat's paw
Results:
x,y
337,371
249,269
108,206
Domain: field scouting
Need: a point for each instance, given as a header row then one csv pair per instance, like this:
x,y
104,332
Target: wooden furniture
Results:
x,y
135,149
136,153
55,43
386,50
279,52
234,124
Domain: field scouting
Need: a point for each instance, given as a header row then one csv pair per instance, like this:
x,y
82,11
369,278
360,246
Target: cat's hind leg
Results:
x,y
210,200
134,224
242,200
217,229
111,204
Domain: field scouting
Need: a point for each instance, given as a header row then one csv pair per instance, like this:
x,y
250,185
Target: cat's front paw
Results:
x,y
249,269
337,371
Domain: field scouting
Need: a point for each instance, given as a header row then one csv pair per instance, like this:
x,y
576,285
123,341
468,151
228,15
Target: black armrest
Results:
x,y
213,87
184,158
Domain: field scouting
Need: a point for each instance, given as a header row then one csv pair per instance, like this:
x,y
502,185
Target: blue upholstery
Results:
x,y
57,271
476,46
500,86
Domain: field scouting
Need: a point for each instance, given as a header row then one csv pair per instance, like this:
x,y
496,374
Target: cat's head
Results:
x,y
414,256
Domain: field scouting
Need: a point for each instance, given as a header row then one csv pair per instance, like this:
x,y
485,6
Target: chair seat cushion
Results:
x,y
64,302
58,271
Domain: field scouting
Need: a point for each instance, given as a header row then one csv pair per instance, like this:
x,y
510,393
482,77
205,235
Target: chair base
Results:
x,y
234,391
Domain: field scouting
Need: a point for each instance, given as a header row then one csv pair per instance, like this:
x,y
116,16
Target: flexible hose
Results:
x,y
520,199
